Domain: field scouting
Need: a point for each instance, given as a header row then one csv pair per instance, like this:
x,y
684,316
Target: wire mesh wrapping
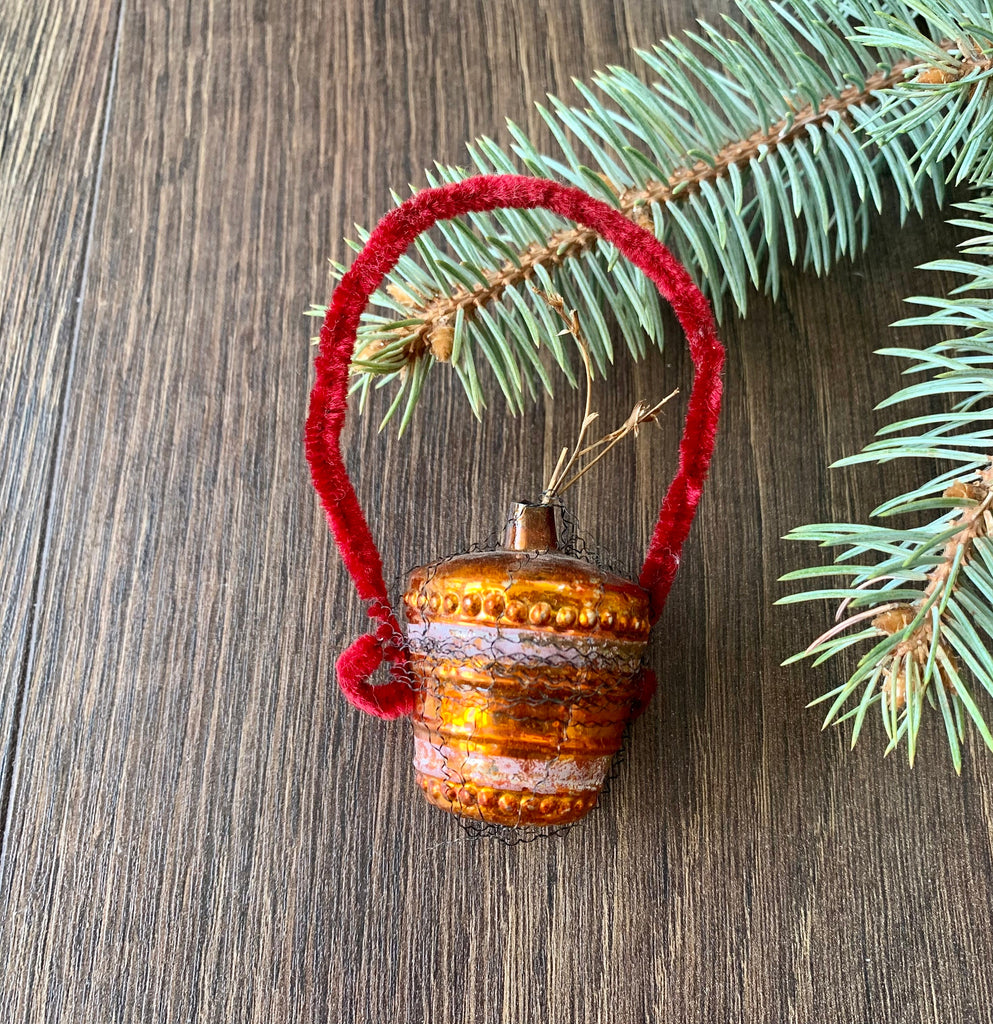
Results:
x,y
527,667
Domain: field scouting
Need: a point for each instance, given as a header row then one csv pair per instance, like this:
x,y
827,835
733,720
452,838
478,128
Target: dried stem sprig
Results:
x,y
643,412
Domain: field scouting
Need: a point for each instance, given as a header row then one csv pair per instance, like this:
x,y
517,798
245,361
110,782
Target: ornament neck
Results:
x,y
530,528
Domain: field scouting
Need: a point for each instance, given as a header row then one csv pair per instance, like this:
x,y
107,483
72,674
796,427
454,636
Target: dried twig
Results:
x,y
643,412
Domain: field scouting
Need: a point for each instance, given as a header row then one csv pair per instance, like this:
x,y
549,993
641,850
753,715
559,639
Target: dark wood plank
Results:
x,y
54,86
203,830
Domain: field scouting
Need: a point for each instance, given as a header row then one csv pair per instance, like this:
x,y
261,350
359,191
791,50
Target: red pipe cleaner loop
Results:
x,y
329,403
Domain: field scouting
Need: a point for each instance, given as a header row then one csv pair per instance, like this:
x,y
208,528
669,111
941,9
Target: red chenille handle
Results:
x,y
329,403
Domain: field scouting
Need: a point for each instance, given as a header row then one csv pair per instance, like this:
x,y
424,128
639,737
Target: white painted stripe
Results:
x,y
520,646
563,773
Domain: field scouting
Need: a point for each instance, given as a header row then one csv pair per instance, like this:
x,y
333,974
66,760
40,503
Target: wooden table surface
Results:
x,y
196,826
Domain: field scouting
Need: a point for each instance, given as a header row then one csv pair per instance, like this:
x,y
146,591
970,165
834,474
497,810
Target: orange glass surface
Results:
x,y
525,740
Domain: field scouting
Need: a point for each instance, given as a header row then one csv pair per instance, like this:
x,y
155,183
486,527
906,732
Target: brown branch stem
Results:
x,y
439,313
975,521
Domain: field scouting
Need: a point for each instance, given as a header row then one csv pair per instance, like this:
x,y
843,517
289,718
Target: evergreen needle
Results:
x,y
763,141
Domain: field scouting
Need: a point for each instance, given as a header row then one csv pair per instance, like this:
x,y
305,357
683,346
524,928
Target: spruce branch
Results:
x,y
435,313
812,119
922,652
925,606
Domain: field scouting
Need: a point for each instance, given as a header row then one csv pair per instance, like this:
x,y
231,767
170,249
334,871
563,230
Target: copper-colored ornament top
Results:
x,y
527,662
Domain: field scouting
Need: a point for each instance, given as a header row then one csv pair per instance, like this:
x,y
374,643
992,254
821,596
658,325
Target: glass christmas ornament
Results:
x,y
520,667
526,664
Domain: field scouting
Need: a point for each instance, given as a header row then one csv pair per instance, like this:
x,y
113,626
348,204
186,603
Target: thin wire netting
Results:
x,y
557,687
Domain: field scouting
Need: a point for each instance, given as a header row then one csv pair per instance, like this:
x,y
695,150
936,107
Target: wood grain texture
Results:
x,y
200,828
54,86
